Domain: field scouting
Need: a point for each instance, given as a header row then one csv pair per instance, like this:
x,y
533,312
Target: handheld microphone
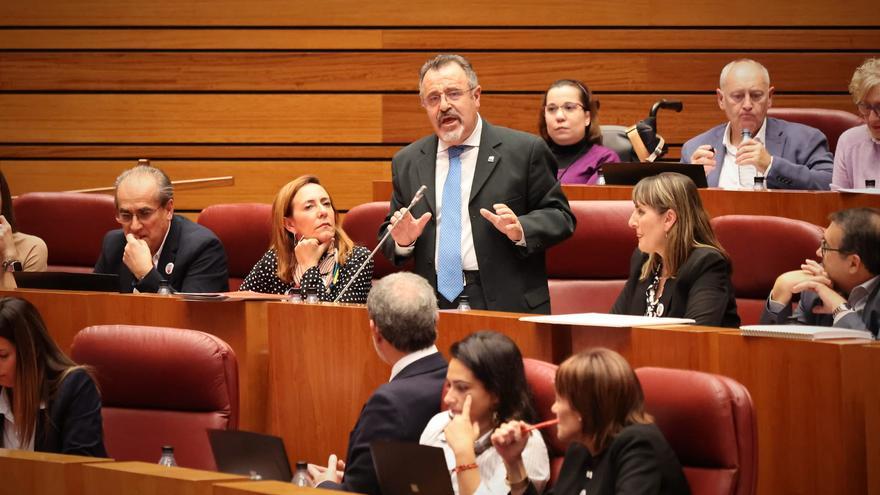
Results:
x,y
418,196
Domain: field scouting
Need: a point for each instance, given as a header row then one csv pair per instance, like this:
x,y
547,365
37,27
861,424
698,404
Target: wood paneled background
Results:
x,y
265,90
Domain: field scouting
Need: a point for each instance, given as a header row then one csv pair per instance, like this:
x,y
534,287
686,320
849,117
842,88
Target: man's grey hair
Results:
x,y
727,68
403,307
445,59
163,183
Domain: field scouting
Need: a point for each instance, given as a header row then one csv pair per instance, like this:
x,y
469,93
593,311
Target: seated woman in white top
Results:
x,y
486,387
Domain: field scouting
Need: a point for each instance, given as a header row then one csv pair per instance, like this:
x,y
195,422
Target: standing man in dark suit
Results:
x,y
788,155
403,318
154,244
492,207
844,291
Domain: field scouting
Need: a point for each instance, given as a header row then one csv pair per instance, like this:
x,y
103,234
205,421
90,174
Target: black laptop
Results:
x,y
630,173
405,468
248,453
99,282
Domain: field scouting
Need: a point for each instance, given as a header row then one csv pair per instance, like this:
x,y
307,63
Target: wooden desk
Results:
x,y
41,473
145,478
241,324
323,368
811,206
266,488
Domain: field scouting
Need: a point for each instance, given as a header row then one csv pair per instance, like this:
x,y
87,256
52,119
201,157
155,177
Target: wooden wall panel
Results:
x,y
396,71
254,182
431,13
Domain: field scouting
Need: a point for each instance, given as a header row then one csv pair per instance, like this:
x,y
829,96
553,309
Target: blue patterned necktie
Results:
x,y
449,270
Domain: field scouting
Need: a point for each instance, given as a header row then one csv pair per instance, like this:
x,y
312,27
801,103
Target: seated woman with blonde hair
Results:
x,y
47,402
857,157
310,251
614,445
679,269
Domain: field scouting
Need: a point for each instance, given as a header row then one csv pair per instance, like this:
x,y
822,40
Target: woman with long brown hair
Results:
x,y
47,402
310,251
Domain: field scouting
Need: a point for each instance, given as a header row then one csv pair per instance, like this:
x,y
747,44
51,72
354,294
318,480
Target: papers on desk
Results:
x,y
244,295
803,332
605,320
865,190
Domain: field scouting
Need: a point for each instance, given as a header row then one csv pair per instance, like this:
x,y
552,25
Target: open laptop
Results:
x,y
244,452
99,282
629,173
406,468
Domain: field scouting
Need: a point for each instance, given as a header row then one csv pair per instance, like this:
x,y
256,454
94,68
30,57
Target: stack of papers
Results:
x,y
230,296
606,320
803,332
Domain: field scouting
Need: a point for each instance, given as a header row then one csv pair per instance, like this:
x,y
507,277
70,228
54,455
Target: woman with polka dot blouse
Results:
x,y
309,250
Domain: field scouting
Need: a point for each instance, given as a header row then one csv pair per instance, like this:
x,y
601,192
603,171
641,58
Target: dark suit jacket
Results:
x,y
199,261
514,168
801,159
701,290
869,320
71,422
638,461
397,410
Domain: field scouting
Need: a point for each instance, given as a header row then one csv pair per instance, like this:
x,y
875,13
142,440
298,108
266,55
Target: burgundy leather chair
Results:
x,y
709,420
761,248
161,386
541,377
588,270
362,223
73,226
832,123
245,230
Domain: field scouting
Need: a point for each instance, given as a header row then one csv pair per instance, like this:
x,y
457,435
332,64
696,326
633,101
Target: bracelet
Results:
x,y
517,484
464,467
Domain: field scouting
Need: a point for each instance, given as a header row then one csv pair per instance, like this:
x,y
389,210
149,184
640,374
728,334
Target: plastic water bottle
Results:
x,y
312,296
760,183
295,295
301,475
747,172
464,304
600,179
164,288
167,458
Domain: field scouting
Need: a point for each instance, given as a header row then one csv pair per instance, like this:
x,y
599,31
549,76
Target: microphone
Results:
x,y
418,196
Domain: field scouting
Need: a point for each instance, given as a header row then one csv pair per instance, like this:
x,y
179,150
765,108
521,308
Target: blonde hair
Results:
x,y
864,79
602,387
284,242
671,191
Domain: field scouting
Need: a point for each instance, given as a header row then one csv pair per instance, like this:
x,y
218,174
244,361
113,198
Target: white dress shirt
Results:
x,y
10,431
729,177
410,359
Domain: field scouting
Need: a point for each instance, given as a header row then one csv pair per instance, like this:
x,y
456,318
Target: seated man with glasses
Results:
x,y
788,155
154,244
842,291
492,206
857,159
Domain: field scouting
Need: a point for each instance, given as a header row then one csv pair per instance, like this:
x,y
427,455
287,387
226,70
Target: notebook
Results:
x,y
630,173
803,332
247,453
406,468
99,282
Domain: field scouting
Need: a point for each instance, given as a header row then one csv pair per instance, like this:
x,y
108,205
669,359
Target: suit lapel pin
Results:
x,y
492,159
169,268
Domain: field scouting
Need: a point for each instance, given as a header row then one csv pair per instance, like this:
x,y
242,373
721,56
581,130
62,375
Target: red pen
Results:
x,y
544,424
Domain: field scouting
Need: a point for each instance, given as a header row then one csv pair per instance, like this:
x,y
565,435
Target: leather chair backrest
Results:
x,y
588,270
761,248
709,421
541,377
362,223
832,123
245,229
73,225
614,137
161,386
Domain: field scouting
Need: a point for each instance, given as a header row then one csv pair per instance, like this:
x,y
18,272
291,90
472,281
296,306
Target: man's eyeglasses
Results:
x,y
824,248
865,109
568,108
143,215
451,94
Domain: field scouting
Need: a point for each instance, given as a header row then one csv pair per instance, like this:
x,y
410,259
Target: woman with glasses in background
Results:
x,y
20,252
568,123
857,158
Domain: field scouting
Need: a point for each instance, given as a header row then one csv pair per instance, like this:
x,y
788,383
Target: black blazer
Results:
x,y
71,422
701,290
638,461
193,254
514,168
397,410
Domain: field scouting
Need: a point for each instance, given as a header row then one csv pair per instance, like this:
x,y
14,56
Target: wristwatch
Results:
x,y
844,306
12,266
